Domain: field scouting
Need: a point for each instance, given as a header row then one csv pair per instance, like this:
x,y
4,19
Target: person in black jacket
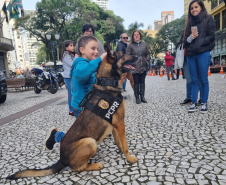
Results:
x,y
122,46
187,75
199,40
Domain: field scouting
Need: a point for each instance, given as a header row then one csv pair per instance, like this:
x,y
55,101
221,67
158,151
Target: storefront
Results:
x,y
219,51
5,46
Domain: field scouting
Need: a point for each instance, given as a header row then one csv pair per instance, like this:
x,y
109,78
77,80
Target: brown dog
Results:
x,y
80,142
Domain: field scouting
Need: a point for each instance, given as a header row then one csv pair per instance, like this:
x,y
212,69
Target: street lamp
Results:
x,y
53,44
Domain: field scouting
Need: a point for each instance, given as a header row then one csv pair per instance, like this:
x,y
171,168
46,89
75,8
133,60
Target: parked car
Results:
x,y
3,87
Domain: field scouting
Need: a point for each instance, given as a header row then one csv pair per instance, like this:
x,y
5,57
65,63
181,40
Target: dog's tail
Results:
x,y
39,172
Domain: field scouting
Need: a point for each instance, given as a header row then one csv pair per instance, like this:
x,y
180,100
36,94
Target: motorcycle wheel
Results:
x,y
36,89
3,98
54,88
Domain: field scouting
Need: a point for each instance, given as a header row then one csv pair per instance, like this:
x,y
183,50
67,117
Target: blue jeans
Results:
x,y
68,84
198,66
187,76
59,135
124,85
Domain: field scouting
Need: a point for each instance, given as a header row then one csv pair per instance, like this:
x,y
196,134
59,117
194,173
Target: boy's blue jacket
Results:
x,y
82,75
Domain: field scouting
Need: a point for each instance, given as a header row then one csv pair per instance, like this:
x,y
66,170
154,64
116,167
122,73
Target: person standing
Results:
x,y
88,29
122,46
140,49
28,73
67,58
187,75
199,40
169,65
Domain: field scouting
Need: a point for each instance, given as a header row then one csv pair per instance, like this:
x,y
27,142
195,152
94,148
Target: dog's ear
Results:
x,y
110,55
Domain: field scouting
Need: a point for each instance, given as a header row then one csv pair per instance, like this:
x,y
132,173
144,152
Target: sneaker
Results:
x,y
185,101
192,108
50,138
71,113
204,109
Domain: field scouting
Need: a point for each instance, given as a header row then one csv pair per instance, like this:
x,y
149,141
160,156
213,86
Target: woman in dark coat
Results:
x,y
140,49
199,40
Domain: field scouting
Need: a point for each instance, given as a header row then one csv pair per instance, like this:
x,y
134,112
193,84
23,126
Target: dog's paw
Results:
x,y
132,159
99,166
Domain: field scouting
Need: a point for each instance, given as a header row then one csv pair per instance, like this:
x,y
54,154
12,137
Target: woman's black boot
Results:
x,y
142,90
136,93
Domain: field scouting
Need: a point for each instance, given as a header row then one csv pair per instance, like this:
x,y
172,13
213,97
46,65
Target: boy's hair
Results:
x,y
87,27
83,41
65,44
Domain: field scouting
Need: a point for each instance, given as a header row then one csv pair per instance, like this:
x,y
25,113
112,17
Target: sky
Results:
x,y
142,11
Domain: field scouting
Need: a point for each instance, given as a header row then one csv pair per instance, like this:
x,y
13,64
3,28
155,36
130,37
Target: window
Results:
x,y
221,1
224,19
214,4
219,46
223,44
217,21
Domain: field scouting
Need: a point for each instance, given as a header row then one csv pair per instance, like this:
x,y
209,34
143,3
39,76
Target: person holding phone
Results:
x,y
199,37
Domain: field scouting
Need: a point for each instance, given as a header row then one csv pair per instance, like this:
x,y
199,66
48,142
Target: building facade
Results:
x,y
6,44
157,25
31,45
218,12
102,3
167,17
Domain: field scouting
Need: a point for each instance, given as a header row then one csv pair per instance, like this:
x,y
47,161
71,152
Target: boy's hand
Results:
x,y
103,55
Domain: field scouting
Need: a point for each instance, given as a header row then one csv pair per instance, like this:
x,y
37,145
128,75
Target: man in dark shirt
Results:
x,y
122,46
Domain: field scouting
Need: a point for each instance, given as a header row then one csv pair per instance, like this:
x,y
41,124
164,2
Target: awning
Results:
x,y
215,55
223,52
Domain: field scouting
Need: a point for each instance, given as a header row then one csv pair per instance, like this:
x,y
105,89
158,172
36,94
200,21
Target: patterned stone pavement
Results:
x,y
173,146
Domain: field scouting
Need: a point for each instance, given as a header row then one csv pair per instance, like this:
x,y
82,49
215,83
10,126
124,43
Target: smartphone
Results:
x,y
194,29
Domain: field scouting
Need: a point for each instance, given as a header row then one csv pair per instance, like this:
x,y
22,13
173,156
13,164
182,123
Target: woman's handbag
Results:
x,y
179,61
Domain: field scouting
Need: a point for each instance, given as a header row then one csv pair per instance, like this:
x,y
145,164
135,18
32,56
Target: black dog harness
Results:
x,y
107,104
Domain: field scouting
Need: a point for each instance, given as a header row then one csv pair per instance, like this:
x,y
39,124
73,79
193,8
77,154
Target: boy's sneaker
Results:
x,y
192,108
50,138
204,109
71,113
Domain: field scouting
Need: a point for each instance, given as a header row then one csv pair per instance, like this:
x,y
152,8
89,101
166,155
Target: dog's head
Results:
x,y
114,64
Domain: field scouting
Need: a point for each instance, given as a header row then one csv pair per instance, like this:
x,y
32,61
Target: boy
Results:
x,y
82,73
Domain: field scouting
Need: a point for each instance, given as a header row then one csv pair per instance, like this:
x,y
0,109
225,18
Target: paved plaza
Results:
x,y
173,146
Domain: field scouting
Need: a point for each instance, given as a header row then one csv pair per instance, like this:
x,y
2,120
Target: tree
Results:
x,y
68,18
134,26
41,56
156,46
172,31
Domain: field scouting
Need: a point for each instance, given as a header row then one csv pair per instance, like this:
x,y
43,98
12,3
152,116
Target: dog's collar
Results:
x,y
107,82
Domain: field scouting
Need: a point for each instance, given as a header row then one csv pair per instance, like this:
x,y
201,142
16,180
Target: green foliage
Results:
x,y
172,31
134,26
41,56
156,45
99,37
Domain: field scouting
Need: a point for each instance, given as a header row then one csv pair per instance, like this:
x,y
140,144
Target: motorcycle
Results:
x,y
59,76
3,87
45,80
